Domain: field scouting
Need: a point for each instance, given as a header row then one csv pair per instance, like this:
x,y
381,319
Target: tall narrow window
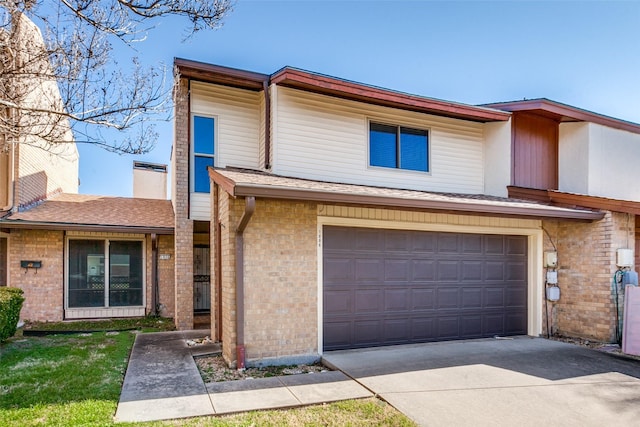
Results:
x,y
203,152
398,147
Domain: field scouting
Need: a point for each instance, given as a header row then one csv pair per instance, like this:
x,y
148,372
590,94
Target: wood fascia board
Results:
x,y
567,112
594,202
355,91
217,74
274,192
227,184
36,225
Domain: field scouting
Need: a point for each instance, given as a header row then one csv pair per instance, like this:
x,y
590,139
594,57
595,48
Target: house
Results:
x,y
78,256
339,215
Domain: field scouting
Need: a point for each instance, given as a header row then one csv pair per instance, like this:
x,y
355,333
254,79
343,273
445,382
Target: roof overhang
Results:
x,y
286,188
345,89
61,226
217,74
572,200
564,113
332,86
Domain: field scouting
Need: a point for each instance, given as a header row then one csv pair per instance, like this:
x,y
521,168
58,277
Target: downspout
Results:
x,y
249,209
154,273
267,124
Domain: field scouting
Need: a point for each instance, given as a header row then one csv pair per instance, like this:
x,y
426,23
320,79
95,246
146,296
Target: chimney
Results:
x,y
149,180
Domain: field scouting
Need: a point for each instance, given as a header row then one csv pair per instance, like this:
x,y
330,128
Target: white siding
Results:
x,y
238,129
497,158
614,163
324,138
573,157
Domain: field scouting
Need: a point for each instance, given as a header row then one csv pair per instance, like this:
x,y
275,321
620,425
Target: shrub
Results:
x,y
11,300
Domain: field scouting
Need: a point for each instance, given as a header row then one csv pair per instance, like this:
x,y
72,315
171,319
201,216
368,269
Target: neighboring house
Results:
x,y
341,215
79,256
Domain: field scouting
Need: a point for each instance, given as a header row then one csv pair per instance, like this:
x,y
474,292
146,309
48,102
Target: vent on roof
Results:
x,y
149,180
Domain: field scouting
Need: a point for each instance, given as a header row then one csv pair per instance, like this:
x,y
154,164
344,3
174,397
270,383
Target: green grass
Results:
x,y
148,323
75,380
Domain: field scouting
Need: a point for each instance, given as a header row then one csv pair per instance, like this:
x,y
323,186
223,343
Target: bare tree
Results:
x,y
58,80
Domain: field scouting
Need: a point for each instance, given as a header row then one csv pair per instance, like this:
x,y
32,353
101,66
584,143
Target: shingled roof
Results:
x,y
245,183
96,213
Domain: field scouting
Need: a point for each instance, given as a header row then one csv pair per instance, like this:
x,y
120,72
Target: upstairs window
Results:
x,y
398,147
203,152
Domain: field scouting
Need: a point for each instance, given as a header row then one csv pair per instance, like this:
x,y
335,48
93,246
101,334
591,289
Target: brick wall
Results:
x,y
586,258
166,276
280,279
43,288
183,299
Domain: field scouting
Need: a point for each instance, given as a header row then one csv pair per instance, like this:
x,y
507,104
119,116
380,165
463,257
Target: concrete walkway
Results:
x,y
519,382
162,382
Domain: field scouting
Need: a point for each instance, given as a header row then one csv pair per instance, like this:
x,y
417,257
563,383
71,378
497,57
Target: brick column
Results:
x,y
183,225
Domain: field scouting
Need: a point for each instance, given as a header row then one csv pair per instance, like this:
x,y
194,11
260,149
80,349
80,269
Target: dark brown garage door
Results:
x,y
384,287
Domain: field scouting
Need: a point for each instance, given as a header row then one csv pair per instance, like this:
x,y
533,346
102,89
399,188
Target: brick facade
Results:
x,y
43,288
183,299
587,262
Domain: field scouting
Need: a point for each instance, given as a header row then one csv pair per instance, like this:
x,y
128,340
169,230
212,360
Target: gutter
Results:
x,y
249,209
267,124
39,225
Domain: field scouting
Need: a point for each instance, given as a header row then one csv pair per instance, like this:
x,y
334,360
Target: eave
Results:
x,y
573,200
331,86
217,74
61,226
237,188
564,113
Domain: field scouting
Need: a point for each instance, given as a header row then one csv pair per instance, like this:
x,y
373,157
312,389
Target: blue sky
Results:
x,y
583,53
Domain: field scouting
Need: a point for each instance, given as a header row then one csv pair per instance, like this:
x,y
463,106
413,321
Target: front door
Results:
x,y
201,279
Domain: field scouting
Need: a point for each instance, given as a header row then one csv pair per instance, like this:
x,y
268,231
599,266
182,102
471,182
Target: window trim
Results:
x,y
192,146
398,127
106,240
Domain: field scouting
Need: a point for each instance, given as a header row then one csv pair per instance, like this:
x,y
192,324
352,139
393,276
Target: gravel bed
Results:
x,y
215,369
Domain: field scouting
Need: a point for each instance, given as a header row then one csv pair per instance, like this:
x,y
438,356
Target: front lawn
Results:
x,y
75,380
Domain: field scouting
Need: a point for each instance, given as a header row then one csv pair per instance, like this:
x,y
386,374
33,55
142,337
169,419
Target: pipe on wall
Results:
x,y
249,209
154,273
267,125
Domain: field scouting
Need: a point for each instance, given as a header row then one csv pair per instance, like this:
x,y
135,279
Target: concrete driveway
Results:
x,y
513,382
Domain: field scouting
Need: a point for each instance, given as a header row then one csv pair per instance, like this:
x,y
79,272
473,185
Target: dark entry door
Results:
x,y
201,279
3,261
384,287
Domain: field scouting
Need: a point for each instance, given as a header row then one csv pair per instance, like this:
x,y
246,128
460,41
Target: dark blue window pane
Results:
x,y
413,150
382,146
201,175
203,135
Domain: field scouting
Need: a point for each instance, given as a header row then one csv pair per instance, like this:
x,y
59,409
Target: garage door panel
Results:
x,y
471,326
368,301
471,244
494,270
494,297
447,298
447,271
423,299
424,270
364,240
366,332
396,270
447,327
471,270
385,287
471,298
337,334
367,270
398,241
423,242
338,270
396,331
396,300
516,271
338,302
